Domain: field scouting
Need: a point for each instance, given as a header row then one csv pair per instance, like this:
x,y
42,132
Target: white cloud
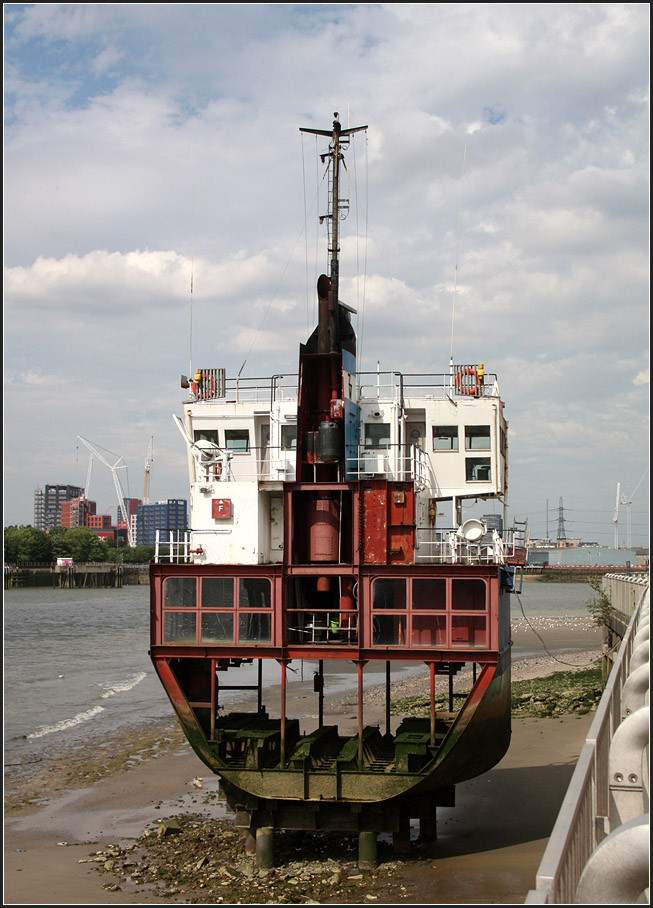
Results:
x,y
146,144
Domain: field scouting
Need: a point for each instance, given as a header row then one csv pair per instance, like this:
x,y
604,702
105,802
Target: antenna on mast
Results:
x,y
337,207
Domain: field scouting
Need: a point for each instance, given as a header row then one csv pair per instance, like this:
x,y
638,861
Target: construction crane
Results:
x,y
119,464
149,457
88,475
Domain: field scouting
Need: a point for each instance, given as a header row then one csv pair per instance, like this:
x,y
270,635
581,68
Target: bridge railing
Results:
x,y
598,849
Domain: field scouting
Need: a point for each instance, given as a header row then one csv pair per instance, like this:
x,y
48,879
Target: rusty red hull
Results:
x,y
265,757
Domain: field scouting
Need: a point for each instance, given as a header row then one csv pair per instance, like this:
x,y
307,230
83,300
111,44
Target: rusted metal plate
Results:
x,y
374,522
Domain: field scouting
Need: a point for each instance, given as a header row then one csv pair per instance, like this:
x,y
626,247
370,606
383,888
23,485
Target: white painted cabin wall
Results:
x,y
236,540
254,533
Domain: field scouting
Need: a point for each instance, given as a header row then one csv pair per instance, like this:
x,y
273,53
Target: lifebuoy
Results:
x,y
467,387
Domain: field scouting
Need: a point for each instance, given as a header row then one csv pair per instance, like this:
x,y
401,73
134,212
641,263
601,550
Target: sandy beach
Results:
x,y
82,803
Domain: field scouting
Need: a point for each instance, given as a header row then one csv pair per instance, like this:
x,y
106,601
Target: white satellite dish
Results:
x,y
472,530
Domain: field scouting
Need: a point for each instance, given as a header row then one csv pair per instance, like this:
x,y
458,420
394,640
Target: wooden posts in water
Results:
x,y
64,577
88,575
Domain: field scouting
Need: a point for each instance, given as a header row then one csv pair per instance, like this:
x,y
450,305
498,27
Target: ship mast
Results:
x,y
339,141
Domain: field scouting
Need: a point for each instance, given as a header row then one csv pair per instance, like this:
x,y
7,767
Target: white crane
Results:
x,y
88,474
119,464
149,457
626,500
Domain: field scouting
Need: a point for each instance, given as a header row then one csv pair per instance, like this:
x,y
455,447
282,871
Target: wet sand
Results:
x,y
488,848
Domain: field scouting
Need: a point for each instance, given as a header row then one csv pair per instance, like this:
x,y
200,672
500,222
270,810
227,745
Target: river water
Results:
x,y
77,668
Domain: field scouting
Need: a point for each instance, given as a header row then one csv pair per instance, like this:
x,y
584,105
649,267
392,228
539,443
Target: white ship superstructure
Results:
x,y
445,433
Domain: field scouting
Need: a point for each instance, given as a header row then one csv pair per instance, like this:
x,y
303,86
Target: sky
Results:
x,y
161,212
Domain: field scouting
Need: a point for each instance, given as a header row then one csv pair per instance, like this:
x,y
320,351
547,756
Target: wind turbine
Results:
x,y
615,517
627,500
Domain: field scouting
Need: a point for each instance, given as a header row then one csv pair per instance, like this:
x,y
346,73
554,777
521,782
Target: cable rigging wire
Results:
x,y
308,304
455,274
279,282
192,271
549,653
367,241
361,297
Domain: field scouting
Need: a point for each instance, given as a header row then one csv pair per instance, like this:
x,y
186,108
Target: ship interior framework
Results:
x,y
294,771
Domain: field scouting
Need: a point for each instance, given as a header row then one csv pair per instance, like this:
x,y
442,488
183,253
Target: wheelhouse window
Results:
x,y
377,435
432,612
206,435
478,469
389,594
219,610
179,592
179,627
429,594
237,440
218,592
477,438
468,595
289,437
254,592
445,438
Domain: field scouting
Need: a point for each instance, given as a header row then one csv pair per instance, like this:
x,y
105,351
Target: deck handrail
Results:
x,y
379,385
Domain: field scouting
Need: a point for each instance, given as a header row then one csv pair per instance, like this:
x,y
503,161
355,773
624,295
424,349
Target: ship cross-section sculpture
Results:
x,y
317,535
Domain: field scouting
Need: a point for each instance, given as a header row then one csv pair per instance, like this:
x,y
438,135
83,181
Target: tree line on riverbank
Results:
x,y
27,544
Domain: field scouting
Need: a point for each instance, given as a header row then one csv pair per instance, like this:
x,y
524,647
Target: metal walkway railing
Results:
x,y
598,849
